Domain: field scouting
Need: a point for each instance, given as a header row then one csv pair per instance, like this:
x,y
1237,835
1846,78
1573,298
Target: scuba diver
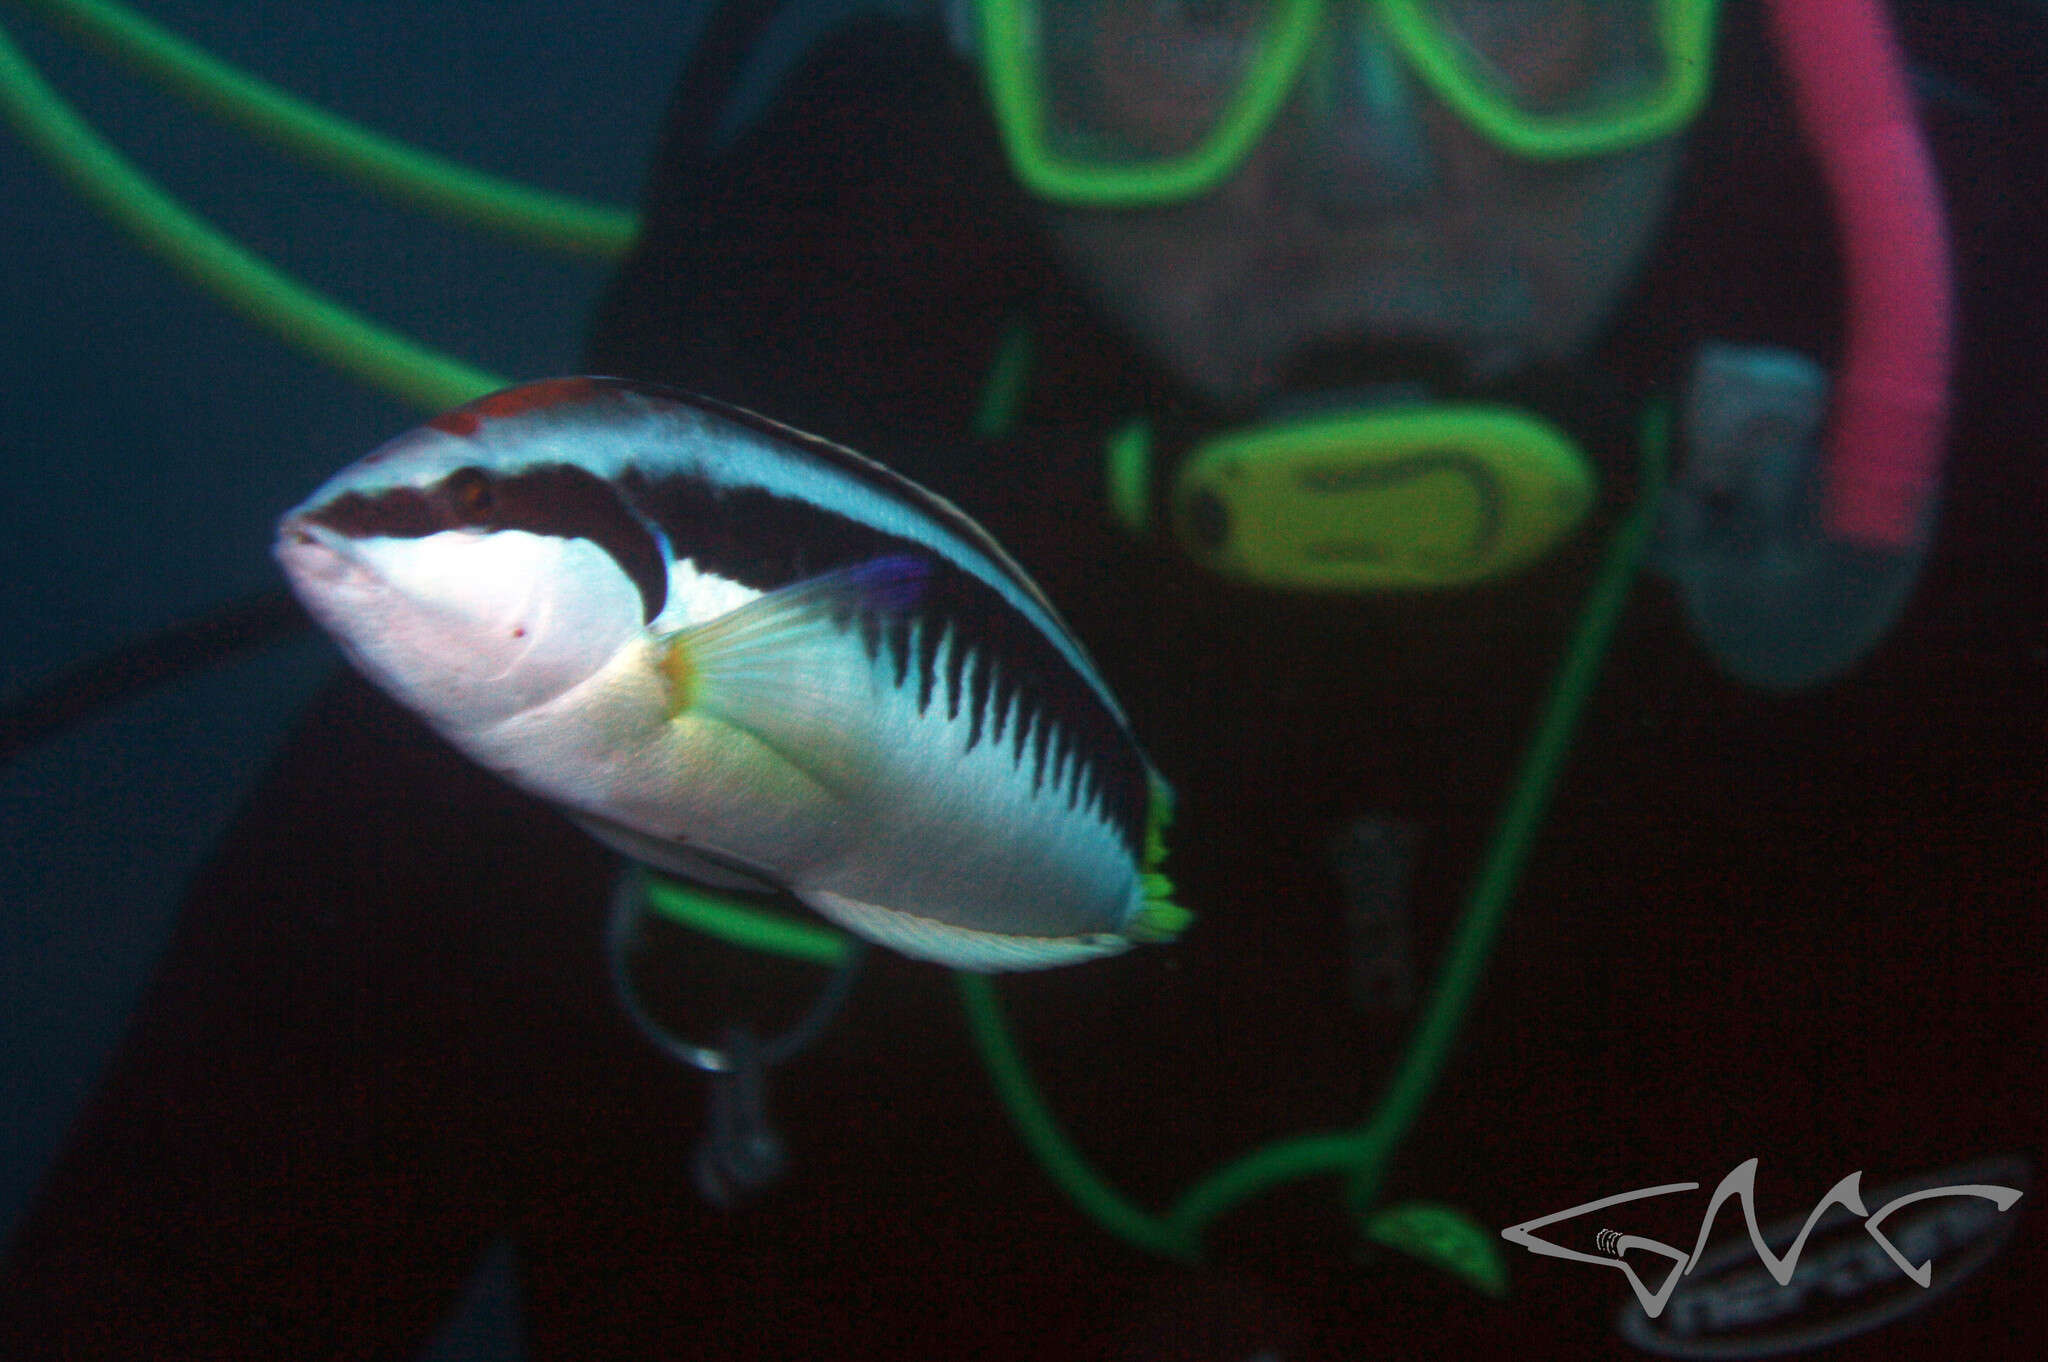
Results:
x,y
1311,356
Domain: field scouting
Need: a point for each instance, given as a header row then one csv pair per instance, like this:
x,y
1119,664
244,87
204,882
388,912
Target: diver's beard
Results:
x,y
1250,339
1424,370
1235,318
1244,359
1566,391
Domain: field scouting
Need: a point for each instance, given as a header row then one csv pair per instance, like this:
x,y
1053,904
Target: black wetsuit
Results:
x,y
1807,929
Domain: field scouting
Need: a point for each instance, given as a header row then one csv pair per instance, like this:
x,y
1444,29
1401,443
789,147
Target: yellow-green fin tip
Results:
x,y
1160,919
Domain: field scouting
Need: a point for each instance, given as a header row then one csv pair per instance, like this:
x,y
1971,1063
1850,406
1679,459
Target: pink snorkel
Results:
x,y
1891,398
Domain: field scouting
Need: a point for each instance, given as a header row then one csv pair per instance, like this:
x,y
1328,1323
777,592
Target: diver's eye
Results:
x,y
469,496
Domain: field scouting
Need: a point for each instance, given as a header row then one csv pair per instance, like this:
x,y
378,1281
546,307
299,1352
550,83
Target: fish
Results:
x,y
751,658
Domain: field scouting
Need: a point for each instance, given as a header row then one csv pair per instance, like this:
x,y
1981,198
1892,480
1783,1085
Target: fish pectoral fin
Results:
x,y
776,668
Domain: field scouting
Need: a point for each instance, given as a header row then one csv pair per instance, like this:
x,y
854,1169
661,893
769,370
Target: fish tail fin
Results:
x,y
1159,918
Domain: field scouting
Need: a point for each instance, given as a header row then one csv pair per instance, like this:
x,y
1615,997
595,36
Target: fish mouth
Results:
x,y
321,564
332,581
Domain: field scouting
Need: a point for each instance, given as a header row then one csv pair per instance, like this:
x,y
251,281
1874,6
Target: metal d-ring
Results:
x,y
740,1153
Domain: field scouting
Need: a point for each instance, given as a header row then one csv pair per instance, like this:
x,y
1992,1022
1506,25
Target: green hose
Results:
x,y
266,296
551,221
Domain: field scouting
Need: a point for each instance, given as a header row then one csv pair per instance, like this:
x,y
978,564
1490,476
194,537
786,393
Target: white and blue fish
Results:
x,y
747,656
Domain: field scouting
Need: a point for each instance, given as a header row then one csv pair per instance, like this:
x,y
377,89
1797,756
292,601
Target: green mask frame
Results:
x,y
1010,44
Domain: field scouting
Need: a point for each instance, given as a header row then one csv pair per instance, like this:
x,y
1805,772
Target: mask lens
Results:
x,y
1558,58
1138,101
1138,81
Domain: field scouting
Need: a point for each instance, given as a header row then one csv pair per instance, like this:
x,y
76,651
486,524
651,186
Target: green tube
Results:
x,y
264,295
741,925
1041,1133
1519,822
426,181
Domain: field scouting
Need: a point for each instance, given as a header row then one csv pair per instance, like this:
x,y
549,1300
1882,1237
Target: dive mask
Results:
x,y
1134,102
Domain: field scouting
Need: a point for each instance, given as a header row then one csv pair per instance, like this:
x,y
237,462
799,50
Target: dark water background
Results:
x,y
148,438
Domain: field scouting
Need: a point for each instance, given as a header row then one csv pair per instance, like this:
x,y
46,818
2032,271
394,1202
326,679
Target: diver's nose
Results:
x,y
1357,140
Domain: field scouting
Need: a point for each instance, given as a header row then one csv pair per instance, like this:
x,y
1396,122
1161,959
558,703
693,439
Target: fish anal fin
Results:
x,y
957,947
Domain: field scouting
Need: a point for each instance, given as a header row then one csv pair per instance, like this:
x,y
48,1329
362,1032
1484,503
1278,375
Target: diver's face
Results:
x,y
1370,215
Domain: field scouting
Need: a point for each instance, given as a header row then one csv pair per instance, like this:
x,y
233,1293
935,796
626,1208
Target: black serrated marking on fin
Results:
x,y
929,639
976,698
1041,742
957,662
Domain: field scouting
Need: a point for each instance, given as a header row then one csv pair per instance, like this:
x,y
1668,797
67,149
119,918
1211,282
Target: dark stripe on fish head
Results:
x,y
558,500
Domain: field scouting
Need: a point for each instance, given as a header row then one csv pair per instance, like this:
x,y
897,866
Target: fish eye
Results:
x,y
469,495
